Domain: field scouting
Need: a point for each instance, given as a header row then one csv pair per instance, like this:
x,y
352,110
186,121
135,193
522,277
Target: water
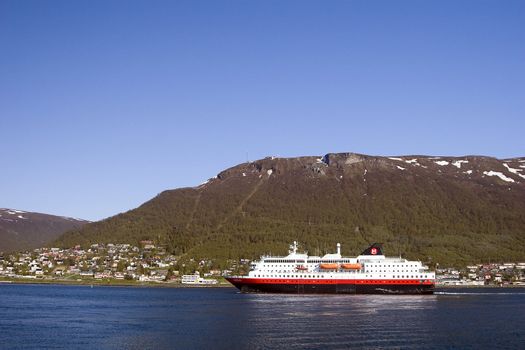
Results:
x,y
80,317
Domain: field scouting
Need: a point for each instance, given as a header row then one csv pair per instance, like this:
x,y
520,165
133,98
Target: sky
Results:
x,y
105,104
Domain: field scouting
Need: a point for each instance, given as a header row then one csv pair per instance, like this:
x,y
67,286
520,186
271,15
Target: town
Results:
x,y
503,274
117,263
151,264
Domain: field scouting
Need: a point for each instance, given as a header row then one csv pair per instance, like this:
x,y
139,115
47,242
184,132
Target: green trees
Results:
x,y
422,213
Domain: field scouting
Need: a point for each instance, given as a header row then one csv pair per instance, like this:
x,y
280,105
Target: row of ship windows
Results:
x,y
346,261
366,270
321,276
284,271
392,265
374,270
368,265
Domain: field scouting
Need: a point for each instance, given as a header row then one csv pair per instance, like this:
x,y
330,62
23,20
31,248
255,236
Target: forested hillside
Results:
x,y
451,210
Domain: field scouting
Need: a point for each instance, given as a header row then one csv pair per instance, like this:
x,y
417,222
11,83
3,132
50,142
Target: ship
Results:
x,y
369,273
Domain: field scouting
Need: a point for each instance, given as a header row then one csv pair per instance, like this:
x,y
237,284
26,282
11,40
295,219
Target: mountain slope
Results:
x,y
445,209
20,230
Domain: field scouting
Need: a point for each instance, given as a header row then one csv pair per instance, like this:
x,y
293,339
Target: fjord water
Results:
x,y
81,317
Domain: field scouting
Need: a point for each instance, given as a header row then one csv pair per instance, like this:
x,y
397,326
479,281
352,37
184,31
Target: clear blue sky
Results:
x,y
104,104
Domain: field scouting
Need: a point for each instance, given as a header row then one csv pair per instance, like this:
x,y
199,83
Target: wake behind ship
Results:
x,y
369,273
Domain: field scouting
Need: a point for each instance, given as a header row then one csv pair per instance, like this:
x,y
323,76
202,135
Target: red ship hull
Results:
x,y
331,286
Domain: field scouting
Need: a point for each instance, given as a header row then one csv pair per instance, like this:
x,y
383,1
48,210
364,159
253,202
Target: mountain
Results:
x,y
21,230
451,210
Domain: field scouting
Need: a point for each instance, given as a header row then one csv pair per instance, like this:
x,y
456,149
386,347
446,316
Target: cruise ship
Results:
x,y
369,273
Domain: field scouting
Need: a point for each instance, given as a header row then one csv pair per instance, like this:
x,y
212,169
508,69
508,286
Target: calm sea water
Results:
x,y
75,317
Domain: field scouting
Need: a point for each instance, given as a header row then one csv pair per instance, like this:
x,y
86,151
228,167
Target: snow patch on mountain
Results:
x,y
513,170
207,181
13,211
498,174
408,161
457,163
400,168
74,219
442,162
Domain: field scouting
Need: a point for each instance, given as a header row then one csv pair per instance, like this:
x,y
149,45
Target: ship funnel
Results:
x,y
339,248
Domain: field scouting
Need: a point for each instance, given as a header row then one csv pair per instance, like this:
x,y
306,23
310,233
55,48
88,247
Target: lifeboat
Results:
x,y
351,266
328,266
301,268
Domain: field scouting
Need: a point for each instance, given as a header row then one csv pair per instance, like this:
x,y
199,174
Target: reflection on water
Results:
x,y
340,321
66,317
342,305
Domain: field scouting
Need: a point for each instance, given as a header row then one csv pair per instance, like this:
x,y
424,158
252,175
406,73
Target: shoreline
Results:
x,y
119,283
453,286
114,283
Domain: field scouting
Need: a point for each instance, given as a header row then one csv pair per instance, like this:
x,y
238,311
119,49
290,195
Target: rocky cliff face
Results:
x,y
20,230
447,209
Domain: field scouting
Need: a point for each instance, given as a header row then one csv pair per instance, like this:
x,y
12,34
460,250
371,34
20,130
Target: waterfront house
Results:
x,y
196,279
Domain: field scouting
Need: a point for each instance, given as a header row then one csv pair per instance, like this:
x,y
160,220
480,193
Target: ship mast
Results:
x,y
293,248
